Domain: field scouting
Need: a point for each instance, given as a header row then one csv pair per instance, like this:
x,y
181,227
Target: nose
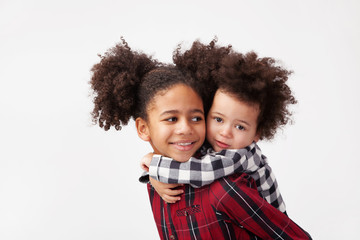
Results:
x,y
225,131
183,127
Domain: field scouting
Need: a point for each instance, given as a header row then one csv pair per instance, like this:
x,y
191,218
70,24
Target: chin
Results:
x,y
217,149
183,158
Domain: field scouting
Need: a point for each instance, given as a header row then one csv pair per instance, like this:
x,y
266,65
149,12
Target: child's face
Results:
x,y
176,123
231,123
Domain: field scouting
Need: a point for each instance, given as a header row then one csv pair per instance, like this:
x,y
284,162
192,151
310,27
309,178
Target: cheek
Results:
x,y
242,140
239,138
164,133
211,128
159,134
201,130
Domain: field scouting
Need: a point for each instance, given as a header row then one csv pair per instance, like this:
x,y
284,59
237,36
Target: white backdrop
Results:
x,y
62,178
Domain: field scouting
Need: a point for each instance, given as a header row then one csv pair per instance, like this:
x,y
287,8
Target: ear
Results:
x,y
257,137
142,129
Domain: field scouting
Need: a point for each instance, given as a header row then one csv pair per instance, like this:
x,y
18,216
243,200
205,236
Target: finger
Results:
x,y
144,167
173,185
170,199
173,192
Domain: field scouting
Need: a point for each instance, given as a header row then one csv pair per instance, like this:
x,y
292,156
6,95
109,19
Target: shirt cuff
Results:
x,y
154,166
144,177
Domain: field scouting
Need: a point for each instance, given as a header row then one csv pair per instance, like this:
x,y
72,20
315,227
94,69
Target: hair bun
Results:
x,y
115,81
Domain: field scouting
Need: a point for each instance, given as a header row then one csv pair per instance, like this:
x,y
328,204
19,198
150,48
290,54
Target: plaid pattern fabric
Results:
x,y
212,166
229,208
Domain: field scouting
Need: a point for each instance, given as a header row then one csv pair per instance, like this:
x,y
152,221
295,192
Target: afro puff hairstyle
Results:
x,y
124,83
258,81
202,62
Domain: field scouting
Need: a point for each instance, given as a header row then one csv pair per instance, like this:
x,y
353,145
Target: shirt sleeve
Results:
x,y
212,166
236,199
144,178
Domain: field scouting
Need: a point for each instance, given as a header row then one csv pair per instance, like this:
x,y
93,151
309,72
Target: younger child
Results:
x,y
250,104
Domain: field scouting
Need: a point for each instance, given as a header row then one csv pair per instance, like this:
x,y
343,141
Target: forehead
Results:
x,y
225,97
178,97
232,107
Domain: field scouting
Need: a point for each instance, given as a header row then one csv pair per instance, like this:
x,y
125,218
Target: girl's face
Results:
x,y
231,123
176,123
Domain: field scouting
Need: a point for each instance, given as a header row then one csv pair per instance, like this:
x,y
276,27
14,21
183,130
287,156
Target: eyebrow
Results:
x,y
239,120
177,111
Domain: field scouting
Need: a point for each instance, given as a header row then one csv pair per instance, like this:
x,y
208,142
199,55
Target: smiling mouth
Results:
x,y
183,146
222,145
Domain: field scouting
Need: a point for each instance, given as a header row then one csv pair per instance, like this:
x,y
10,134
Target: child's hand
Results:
x,y
166,191
145,161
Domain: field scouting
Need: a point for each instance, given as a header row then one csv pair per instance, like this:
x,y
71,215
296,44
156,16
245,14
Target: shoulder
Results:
x,y
222,188
238,178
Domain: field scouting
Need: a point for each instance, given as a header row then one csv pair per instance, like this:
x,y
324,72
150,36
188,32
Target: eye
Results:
x,y
217,119
239,127
196,119
172,119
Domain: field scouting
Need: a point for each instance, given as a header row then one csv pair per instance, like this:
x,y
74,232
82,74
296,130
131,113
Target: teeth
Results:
x,y
184,144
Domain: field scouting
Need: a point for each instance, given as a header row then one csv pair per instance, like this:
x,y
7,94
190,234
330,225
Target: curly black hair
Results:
x,y
202,61
258,81
125,81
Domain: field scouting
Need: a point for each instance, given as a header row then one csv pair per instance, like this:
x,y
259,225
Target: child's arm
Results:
x,y
200,172
167,192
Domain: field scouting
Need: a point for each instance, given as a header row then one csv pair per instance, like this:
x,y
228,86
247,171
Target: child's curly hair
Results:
x,y
114,82
258,81
202,61
124,82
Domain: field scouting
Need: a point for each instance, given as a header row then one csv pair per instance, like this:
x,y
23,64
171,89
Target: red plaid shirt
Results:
x,y
229,208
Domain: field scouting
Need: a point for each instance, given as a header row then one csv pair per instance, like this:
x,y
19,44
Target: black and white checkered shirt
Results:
x,y
215,165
